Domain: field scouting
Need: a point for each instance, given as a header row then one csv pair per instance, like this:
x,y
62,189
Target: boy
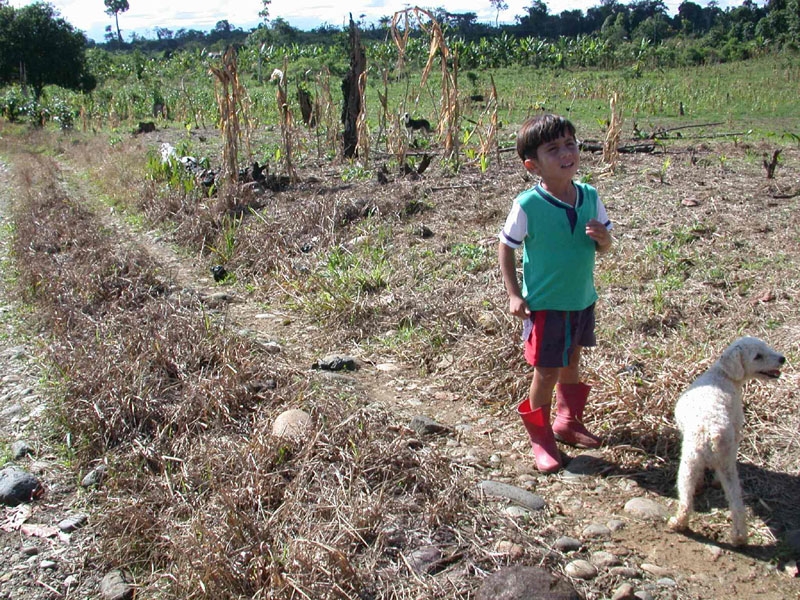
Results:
x,y
560,225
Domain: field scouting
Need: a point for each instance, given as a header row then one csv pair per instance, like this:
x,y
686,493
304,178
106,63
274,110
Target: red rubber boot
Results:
x,y
568,425
545,450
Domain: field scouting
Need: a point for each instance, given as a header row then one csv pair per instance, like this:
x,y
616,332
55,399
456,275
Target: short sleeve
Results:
x,y
602,215
516,227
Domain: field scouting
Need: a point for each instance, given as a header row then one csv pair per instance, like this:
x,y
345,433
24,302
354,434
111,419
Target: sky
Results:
x,y
145,15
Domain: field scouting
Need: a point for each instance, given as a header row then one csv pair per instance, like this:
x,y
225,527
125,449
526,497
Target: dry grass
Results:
x,y
202,501
208,502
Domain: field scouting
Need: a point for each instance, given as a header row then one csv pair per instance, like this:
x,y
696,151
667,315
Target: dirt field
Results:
x,y
706,250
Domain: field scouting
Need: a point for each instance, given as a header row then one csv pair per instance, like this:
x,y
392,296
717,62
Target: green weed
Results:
x,y
356,172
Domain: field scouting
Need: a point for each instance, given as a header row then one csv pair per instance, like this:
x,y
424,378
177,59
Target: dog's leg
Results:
x,y
689,473
729,477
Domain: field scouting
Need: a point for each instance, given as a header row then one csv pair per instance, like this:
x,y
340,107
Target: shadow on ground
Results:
x,y
772,496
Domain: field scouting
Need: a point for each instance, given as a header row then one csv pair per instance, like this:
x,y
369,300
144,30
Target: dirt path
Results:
x,y
490,444
494,446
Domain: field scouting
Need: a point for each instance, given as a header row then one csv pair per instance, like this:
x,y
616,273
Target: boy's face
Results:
x,y
556,161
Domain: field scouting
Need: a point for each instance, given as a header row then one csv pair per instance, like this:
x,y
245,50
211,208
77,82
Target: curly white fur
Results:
x,y
710,417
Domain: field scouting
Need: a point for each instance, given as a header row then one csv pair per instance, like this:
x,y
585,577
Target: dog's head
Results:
x,y
751,358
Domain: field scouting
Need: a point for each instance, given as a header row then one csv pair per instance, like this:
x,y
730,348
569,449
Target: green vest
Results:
x,y
558,256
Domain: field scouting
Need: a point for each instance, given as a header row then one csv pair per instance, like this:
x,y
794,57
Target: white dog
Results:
x,y
710,417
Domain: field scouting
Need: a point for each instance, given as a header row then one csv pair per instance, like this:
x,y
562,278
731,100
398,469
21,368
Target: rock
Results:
x,y
604,560
423,559
516,512
292,423
426,426
95,476
581,569
423,231
625,572
615,525
596,530
624,592
655,570
20,449
271,347
115,587
17,486
336,363
488,322
218,299
644,508
567,544
517,495
48,564
72,523
525,583
514,551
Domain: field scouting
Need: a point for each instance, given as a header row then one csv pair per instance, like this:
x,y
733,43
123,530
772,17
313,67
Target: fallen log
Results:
x,y
591,146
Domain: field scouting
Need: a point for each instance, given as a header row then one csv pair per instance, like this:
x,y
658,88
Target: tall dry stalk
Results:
x,y
362,130
327,111
286,119
232,102
448,125
383,98
611,144
489,136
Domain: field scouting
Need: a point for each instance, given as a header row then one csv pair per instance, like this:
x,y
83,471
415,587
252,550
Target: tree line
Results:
x,y
38,47
777,22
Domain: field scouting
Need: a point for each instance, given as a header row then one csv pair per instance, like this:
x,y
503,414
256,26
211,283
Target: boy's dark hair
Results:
x,y
539,130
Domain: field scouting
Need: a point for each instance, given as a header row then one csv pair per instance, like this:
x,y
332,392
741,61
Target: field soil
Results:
x,y
706,249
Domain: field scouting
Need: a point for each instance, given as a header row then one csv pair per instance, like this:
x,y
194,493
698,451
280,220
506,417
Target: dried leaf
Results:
x,y
16,517
42,531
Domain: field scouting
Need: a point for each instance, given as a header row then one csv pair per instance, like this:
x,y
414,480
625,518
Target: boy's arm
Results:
x,y
516,303
600,234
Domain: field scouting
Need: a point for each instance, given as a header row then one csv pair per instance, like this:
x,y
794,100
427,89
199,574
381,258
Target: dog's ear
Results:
x,y
732,362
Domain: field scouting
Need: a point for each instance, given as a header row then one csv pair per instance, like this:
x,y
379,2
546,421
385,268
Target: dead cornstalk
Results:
x,y
448,125
489,136
362,131
285,118
610,151
327,111
231,99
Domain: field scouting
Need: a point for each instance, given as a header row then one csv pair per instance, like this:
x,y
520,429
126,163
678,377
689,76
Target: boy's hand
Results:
x,y
598,232
518,307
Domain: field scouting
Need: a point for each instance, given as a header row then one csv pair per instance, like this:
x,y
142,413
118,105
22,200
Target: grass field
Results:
x,y
175,389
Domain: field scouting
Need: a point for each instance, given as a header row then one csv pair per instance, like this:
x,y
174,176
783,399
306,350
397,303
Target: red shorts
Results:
x,y
555,334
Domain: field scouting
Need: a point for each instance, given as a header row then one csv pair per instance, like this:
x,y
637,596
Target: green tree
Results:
x,y
537,20
39,48
264,12
499,6
113,8
782,23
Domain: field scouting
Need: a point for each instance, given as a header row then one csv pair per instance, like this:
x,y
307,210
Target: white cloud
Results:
x,y
145,15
